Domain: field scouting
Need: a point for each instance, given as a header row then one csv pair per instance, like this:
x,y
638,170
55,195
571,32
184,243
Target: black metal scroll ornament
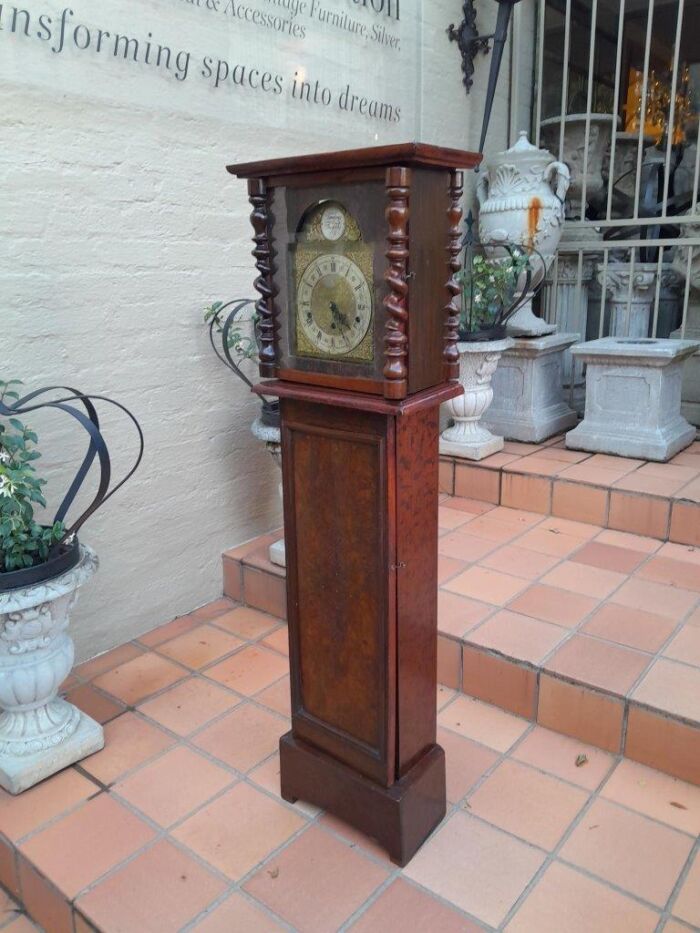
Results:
x,y
467,37
270,407
64,553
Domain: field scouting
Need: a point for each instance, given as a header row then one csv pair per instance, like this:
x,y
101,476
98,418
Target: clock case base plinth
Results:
x,y
400,817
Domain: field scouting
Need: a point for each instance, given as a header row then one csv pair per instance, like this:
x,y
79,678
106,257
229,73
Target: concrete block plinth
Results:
x,y
633,397
528,404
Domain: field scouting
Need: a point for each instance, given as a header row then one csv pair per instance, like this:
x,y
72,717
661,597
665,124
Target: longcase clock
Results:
x,y
357,254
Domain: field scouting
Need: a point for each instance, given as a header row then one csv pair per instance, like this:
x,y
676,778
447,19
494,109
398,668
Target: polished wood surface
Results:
x,y
360,476
398,181
258,196
408,154
308,393
348,383
454,289
427,289
416,559
339,480
400,817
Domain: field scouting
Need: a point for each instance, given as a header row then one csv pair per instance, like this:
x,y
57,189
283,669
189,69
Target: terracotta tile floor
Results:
x,y
178,823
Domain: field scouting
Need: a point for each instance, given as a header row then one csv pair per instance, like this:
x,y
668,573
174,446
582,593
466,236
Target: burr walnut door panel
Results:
x,y
339,492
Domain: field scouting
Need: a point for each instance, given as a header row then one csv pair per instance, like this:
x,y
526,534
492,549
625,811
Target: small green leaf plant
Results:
x,y
243,345
488,288
23,541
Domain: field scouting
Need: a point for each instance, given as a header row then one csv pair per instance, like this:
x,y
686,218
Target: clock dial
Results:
x,y
334,305
332,223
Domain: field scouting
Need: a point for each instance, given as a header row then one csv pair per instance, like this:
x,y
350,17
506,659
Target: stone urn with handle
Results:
x,y
521,202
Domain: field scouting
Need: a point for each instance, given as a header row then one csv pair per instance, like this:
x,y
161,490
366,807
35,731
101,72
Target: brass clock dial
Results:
x,y
334,305
332,287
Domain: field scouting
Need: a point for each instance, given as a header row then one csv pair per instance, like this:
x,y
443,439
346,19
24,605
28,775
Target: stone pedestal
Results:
x,y
466,437
527,395
633,398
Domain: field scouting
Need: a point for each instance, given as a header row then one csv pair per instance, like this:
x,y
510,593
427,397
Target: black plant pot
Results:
x,y
270,414
497,332
65,559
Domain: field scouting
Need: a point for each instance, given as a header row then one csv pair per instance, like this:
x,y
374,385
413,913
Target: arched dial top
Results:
x,y
333,286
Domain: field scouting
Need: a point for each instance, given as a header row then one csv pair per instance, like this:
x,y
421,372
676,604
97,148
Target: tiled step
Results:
x,y
660,500
591,632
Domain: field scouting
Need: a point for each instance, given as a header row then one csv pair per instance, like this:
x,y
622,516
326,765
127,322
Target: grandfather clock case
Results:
x,y
357,254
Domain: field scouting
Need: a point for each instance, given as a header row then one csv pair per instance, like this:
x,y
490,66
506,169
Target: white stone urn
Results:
x,y
466,437
521,202
41,733
574,154
270,435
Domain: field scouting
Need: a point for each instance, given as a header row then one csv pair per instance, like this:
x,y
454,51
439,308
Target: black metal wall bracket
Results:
x,y
470,43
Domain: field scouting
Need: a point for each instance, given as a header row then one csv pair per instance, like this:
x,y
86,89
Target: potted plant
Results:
x,y
492,289
226,322
42,565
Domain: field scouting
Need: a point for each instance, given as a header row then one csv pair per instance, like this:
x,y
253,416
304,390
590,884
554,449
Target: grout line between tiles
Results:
x,y
680,881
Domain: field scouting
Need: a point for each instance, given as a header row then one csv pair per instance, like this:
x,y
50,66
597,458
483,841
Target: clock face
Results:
x,y
334,304
332,288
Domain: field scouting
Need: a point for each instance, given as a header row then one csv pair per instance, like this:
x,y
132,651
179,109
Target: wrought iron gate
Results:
x,y
617,98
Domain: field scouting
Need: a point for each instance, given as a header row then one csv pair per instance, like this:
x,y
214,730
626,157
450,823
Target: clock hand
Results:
x,y
340,319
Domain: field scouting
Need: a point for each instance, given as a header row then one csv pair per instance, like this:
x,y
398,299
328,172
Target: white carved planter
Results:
x,y
271,436
466,437
41,733
521,202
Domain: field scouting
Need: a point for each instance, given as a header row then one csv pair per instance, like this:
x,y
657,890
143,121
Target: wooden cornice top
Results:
x,y
403,154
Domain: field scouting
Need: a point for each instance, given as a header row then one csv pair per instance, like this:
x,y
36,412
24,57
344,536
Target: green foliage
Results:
x,y
241,344
488,288
23,542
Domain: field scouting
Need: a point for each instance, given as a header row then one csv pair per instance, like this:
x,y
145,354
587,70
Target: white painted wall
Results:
x,y
119,223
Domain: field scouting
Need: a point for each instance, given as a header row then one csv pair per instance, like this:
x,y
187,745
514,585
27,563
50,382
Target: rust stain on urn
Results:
x,y
534,212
